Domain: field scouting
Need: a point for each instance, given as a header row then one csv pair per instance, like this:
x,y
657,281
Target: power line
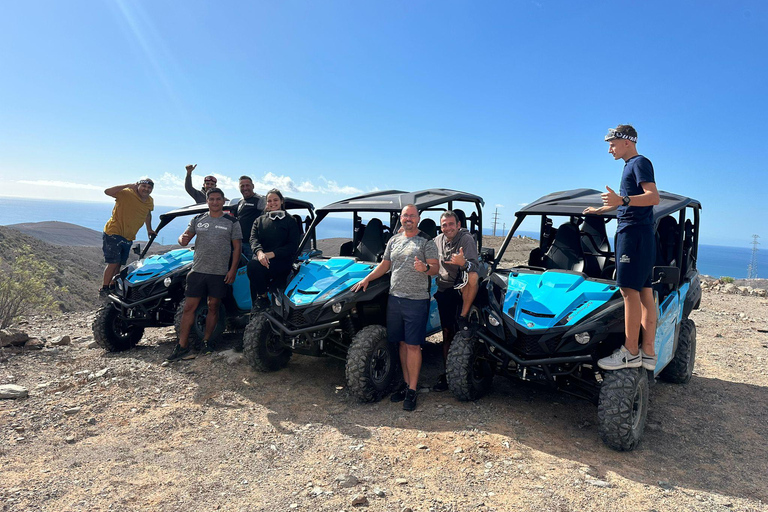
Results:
x,y
752,269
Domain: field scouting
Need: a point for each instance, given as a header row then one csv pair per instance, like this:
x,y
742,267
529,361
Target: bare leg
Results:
x,y
212,318
187,318
404,360
468,293
111,270
648,321
632,318
413,363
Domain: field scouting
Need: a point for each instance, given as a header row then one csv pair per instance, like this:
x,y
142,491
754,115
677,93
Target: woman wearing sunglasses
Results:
x,y
274,240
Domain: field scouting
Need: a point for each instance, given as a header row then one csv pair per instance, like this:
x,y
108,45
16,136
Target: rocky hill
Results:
x,y
60,233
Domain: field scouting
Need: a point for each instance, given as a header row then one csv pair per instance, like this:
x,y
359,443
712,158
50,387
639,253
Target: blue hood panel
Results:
x,y
321,280
159,265
542,301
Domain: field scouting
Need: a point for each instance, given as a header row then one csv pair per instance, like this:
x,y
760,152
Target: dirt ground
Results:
x,y
121,431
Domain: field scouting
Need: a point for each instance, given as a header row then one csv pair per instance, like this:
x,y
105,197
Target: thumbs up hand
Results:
x,y
458,258
418,265
611,199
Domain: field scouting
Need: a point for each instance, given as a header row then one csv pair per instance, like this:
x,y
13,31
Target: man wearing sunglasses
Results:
x,y
133,207
635,249
217,253
209,182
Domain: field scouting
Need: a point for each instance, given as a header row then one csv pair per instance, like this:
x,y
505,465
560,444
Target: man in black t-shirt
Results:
x,y
635,249
250,207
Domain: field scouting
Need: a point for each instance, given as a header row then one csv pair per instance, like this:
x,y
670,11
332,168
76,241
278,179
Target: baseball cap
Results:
x,y
210,178
623,131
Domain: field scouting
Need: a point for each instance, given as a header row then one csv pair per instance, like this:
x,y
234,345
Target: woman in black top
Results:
x,y
274,241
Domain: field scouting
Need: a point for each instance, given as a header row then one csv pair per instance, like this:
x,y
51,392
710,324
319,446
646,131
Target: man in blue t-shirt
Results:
x,y
635,249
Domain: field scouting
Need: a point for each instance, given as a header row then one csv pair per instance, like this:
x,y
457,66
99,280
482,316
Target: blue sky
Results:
x,y
325,99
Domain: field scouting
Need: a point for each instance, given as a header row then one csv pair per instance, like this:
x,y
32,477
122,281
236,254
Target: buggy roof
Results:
x,y
395,200
196,209
573,202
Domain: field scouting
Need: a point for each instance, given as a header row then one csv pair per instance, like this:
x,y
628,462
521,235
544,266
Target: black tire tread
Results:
x,y
680,368
104,335
615,408
255,349
358,360
459,367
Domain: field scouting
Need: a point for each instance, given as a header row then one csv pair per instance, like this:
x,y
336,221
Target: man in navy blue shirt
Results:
x,y
635,249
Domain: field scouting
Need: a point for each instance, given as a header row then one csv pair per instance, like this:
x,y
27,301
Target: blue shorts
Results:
x,y
116,248
635,254
407,320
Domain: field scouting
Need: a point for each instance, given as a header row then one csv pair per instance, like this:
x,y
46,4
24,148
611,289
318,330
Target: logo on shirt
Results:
x,y
624,259
203,225
221,227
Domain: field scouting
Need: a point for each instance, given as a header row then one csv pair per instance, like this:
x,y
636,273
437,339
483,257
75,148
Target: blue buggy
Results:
x,y
317,313
550,320
149,292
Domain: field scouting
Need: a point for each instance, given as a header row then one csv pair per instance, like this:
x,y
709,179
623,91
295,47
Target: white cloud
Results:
x,y
523,204
60,184
499,206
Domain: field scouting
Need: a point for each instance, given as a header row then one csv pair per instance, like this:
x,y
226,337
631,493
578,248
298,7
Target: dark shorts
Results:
x,y
635,253
449,304
205,285
407,320
116,248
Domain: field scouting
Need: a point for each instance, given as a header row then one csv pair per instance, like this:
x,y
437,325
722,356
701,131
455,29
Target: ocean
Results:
x,y
714,260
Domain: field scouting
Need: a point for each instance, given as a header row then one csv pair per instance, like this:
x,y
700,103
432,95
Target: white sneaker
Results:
x,y
621,358
649,362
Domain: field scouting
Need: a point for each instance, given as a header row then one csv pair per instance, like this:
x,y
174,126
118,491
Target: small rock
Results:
x,y
347,481
91,421
61,341
459,450
667,486
73,410
34,344
12,337
379,492
70,439
92,344
13,391
359,501
407,509
422,447
401,481
598,483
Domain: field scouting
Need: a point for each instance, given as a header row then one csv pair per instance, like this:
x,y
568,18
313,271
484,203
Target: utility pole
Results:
x,y
504,229
495,220
752,269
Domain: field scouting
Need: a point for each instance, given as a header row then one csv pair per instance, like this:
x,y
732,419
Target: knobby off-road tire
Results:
x,y
680,368
113,333
622,408
262,347
469,373
373,367
197,331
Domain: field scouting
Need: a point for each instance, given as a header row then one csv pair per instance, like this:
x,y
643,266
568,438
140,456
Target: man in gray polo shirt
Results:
x,y
412,258
219,238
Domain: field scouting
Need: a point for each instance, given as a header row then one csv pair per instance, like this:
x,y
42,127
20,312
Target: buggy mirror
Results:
x,y
137,249
666,275
487,254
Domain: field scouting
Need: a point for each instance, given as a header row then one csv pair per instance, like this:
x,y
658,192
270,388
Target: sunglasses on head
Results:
x,y
146,182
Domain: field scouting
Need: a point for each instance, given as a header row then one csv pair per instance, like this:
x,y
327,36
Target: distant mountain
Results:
x,y
60,233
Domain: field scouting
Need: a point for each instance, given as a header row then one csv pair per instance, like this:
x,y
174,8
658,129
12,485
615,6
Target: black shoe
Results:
x,y
104,292
262,304
409,403
399,395
442,384
207,348
179,353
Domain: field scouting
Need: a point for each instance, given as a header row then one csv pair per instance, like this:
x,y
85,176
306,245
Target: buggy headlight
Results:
x,y
278,302
582,338
493,321
337,307
167,282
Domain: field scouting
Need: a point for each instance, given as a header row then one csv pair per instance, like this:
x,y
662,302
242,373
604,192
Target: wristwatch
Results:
x,y
625,200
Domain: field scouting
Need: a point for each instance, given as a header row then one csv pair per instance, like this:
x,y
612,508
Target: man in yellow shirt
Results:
x,y
133,207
